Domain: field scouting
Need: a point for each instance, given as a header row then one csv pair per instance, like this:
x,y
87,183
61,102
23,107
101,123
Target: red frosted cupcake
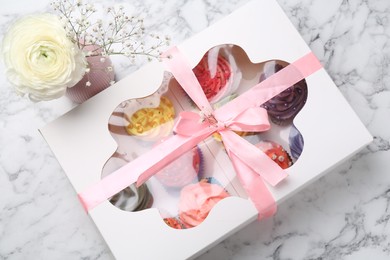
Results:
x,y
276,152
214,74
150,122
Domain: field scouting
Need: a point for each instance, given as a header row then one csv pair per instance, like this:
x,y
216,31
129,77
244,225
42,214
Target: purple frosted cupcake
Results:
x,y
284,107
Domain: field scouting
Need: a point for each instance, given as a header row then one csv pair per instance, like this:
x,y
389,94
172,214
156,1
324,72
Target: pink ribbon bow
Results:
x,y
241,114
250,163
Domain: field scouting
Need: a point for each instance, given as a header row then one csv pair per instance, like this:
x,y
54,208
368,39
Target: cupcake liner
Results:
x,y
296,142
174,222
177,174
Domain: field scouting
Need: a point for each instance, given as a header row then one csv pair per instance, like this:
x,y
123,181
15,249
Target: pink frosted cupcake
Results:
x,y
196,201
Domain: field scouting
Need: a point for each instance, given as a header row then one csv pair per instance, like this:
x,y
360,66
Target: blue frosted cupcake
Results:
x,y
296,142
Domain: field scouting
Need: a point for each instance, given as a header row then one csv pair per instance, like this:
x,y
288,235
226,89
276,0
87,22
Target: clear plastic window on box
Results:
x,y
186,190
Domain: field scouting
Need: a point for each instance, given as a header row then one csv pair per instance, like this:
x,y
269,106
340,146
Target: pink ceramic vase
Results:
x,y
100,75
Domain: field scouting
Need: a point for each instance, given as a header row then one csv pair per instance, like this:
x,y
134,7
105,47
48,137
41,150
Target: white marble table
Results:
x,y
344,215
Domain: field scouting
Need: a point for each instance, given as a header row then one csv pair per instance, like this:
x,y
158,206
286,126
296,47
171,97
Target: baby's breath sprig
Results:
x,y
119,35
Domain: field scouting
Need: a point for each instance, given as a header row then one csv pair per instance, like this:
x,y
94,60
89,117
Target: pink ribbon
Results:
x,y
241,114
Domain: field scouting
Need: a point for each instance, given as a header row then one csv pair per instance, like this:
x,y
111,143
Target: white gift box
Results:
x,y
82,142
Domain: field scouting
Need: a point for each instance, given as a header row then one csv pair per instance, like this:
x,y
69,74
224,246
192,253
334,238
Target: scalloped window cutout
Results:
x,y
186,190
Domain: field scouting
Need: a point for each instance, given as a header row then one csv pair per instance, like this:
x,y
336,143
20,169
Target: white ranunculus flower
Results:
x,y
40,59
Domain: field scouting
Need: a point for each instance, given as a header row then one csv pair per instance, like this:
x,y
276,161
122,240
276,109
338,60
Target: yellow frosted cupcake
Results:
x,y
152,123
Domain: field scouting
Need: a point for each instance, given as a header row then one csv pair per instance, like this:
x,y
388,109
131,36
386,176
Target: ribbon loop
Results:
x,y
253,119
188,124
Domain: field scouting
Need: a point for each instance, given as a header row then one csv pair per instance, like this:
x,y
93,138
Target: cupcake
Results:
x,y
152,123
285,106
196,201
211,180
173,223
296,142
214,74
182,171
133,198
276,152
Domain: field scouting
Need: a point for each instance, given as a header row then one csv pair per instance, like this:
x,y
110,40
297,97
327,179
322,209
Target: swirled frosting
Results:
x,y
196,201
213,74
284,107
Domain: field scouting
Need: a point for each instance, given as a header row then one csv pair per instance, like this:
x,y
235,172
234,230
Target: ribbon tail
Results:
x,y
255,187
178,64
251,166
253,157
